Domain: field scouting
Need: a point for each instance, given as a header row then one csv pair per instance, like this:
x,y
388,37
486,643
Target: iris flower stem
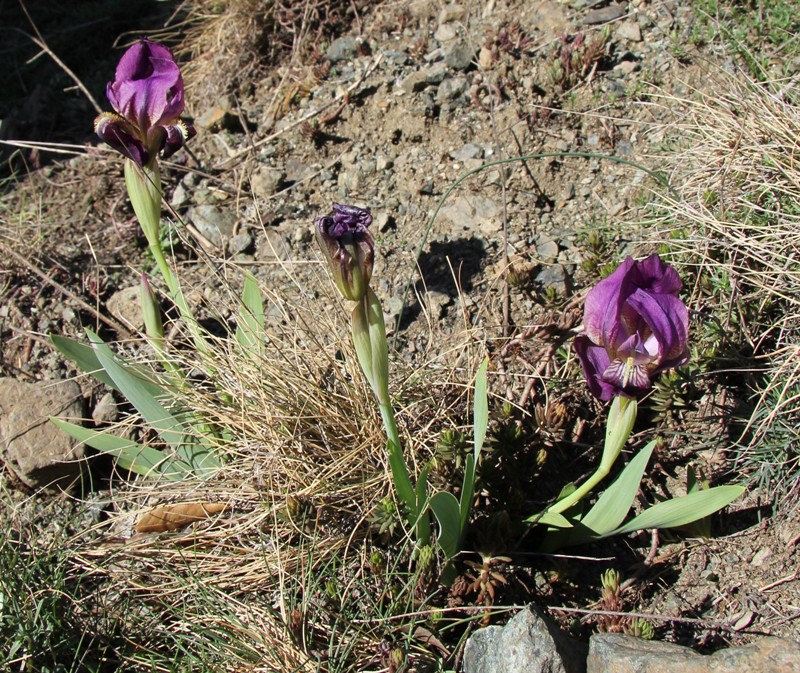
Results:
x,y
369,337
621,417
580,493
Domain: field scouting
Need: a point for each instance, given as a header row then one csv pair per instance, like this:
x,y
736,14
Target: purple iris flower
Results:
x,y
634,327
344,238
147,97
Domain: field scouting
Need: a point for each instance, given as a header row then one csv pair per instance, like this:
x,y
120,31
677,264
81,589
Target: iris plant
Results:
x,y
147,96
635,326
344,238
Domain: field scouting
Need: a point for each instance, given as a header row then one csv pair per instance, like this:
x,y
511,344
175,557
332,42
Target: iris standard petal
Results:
x,y
604,303
668,320
657,276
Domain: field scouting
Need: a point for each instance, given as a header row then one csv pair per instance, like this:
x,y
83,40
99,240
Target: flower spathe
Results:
x,y
347,244
147,97
634,327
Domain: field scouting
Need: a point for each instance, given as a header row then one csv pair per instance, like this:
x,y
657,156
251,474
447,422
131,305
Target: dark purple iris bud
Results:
x,y
634,327
147,97
346,243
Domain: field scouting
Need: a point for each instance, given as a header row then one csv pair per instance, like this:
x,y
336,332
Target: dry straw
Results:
x,y
736,209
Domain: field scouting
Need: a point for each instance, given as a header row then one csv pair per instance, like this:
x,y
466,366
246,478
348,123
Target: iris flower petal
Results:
x,y
594,361
147,92
668,320
634,327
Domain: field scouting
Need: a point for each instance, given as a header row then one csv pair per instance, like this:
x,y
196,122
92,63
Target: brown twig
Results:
x,y
110,322
39,42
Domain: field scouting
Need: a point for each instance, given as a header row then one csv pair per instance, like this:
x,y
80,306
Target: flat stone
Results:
x,y
451,89
105,411
530,643
446,32
473,213
629,30
240,244
265,181
547,251
273,247
126,306
459,56
554,276
605,14
620,653
36,451
213,222
416,81
466,152
343,49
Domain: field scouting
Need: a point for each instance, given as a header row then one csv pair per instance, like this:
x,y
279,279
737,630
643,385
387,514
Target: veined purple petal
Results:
x,y
654,275
604,304
117,132
668,320
148,87
594,361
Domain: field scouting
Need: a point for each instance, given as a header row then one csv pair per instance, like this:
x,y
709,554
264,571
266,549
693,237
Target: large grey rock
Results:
x,y
620,653
126,306
213,222
33,448
529,643
474,213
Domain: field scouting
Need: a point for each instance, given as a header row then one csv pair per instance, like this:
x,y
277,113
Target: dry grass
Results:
x,y
305,468
233,43
735,219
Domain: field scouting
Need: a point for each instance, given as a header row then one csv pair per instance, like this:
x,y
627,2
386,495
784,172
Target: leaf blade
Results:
x,y
130,455
616,501
683,510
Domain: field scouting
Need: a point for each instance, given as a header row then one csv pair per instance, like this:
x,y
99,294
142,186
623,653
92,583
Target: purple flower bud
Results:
x,y
349,248
634,327
147,97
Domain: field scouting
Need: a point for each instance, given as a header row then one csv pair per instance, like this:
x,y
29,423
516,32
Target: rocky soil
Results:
x,y
416,98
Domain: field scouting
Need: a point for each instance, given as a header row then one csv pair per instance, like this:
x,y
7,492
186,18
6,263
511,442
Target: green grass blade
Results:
x,y
683,510
130,455
86,360
480,419
250,323
199,454
480,423
614,504
467,491
445,507
423,524
402,482
140,395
